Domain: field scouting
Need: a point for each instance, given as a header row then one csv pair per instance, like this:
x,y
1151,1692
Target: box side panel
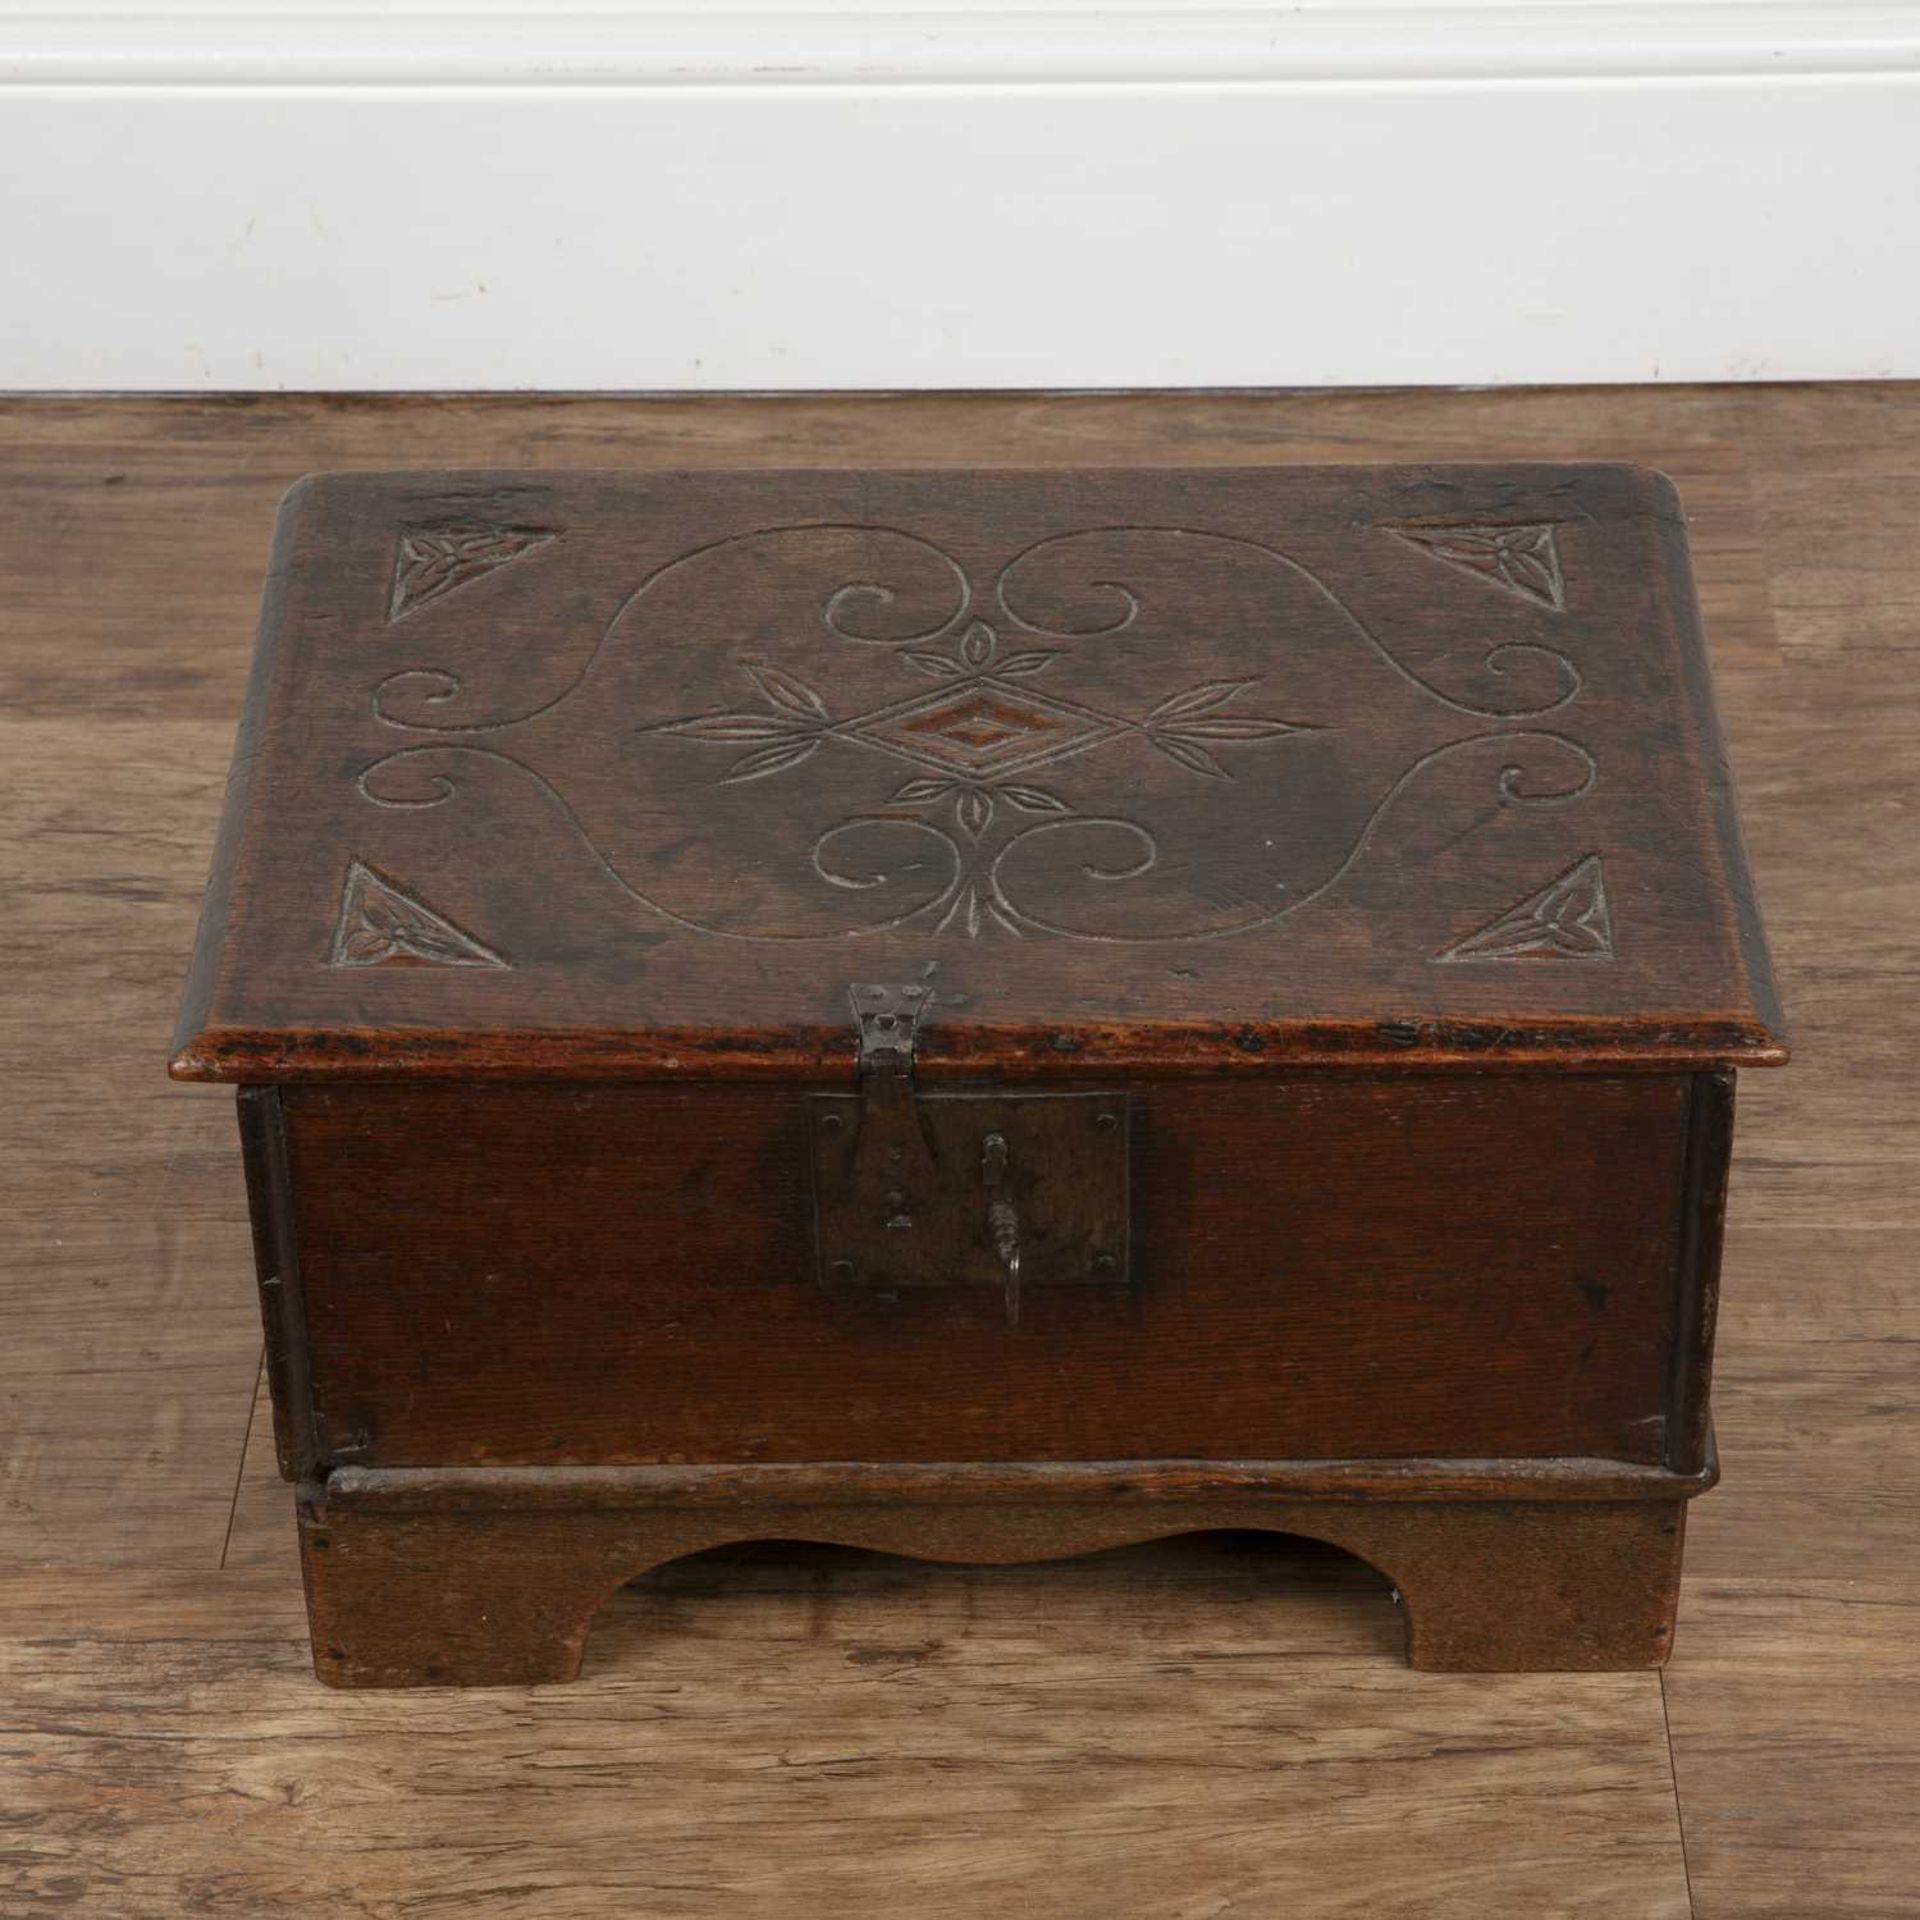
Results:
x,y
276,1260
1703,1221
1323,1266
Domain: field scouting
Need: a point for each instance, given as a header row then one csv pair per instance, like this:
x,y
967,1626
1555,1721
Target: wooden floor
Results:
x,y
1196,1730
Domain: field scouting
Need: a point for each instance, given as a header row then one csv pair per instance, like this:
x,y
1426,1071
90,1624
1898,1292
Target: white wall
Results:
x,y
632,196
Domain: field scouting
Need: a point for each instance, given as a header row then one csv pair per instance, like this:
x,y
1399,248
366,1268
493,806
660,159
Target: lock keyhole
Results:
x,y
1003,1218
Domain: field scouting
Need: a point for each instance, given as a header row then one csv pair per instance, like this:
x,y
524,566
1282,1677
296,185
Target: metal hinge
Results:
x,y
964,1189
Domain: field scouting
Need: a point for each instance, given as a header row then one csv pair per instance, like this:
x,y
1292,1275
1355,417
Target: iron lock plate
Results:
x,y
1009,1191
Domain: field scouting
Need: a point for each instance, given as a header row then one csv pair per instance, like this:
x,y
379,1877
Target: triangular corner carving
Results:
x,y
432,562
1523,559
382,925
1568,919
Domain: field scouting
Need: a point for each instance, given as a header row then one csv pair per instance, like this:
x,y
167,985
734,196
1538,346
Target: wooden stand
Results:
x,y
489,1577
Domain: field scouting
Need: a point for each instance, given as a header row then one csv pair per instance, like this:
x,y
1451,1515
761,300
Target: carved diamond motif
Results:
x,y
975,739
962,839
982,727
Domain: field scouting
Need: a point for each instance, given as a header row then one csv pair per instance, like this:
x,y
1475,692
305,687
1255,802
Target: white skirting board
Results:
x,y
638,198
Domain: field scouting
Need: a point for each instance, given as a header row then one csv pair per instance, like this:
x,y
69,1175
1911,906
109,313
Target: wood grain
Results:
x,y
1795,1709
120,1236
1812,1407
260,1531
1529,1312
839,1733
683,778
412,1593
1384,1262
127,493
180,1754
1849,586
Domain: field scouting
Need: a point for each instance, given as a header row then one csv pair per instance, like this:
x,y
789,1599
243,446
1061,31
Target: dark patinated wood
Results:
x,y
967,1483
418,1580
624,775
1709,1157
1355,847
1322,1264
276,1260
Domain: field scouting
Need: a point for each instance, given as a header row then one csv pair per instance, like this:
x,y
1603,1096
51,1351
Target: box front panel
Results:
x,y
1321,1266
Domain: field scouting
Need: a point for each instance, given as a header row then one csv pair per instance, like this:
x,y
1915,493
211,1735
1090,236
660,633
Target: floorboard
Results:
x,y
1160,1732
1795,1711
1199,1729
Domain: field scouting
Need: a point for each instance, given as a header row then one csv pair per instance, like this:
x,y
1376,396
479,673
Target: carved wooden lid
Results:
x,y
638,774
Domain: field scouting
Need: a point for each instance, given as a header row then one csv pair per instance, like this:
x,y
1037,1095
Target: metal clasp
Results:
x,y
887,1021
916,1189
